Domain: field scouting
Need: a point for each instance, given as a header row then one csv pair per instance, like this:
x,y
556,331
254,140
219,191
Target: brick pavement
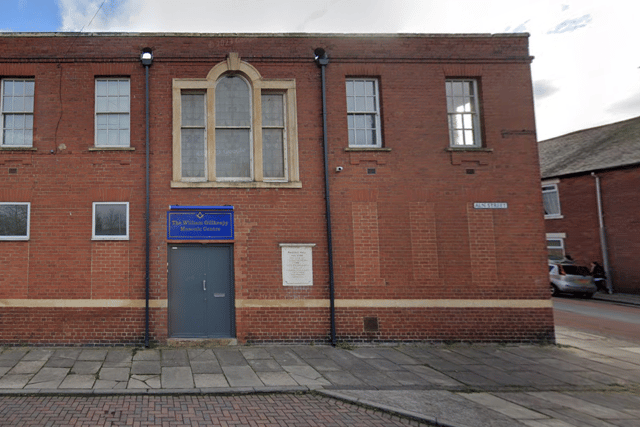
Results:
x,y
279,410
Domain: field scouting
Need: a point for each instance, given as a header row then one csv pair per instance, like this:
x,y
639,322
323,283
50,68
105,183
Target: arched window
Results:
x,y
234,129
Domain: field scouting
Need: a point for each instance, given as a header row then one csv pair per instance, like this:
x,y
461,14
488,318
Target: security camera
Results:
x,y
339,169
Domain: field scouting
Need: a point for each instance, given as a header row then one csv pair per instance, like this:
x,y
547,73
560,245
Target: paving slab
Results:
x,y
27,367
201,355
435,378
285,356
14,381
396,356
588,408
241,376
86,367
230,357
265,365
323,364
177,377
343,379
306,375
37,354
114,374
502,406
206,367
78,382
148,354
382,364
67,353
146,367
60,362
105,385
49,378
175,358
250,353
93,355
118,358
210,380
12,355
276,379
151,381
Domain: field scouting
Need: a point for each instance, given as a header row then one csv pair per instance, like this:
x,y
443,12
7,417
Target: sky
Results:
x,y
586,70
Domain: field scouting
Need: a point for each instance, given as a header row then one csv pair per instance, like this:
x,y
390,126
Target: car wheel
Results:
x,y
587,295
554,291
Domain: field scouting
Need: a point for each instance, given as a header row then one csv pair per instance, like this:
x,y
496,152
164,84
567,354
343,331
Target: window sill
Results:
x,y
230,184
112,148
368,149
553,216
110,239
475,149
9,148
14,239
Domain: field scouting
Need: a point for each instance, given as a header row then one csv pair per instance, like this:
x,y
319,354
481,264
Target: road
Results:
x,y
598,317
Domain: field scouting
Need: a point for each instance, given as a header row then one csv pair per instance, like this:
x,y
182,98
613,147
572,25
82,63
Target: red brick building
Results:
x,y
577,169
431,164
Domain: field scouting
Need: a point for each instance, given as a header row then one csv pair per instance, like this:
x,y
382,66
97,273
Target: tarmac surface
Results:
x,y
585,380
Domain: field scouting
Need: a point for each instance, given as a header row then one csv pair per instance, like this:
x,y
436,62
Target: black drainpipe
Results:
x,y
146,57
322,60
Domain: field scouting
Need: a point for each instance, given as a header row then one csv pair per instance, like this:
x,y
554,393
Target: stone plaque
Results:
x,y
297,264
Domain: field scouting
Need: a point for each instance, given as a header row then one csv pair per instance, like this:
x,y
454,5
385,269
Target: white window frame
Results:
x,y
111,236
557,237
257,86
108,113
375,112
28,231
475,125
24,112
549,187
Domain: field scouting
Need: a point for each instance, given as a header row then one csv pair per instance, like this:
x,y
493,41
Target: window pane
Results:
x,y
102,137
193,153
273,153
350,89
193,110
7,104
272,110
101,88
462,109
13,220
233,106
233,153
18,88
8,88
551,203
29,88
111,219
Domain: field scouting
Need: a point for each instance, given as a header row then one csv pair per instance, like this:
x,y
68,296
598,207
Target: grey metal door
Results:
x,y
201,296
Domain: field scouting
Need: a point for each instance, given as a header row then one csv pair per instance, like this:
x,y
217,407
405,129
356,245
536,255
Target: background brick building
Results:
x,y
433,178
572,165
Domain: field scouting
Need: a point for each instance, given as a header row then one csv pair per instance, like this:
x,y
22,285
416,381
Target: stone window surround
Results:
x,y
257,86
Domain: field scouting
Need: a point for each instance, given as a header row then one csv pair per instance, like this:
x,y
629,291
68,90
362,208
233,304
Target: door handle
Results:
x,y
204,285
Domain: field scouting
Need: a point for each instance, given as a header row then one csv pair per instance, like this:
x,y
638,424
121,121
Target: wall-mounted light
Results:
x,y
146,57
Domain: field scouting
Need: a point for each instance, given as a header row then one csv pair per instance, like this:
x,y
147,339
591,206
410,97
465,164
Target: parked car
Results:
x,y
566,277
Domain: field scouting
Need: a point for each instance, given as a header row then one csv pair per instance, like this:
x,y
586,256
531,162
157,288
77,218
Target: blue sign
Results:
x,y
200,223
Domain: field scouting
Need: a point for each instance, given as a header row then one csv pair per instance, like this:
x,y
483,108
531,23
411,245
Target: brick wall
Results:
x,y
409,231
